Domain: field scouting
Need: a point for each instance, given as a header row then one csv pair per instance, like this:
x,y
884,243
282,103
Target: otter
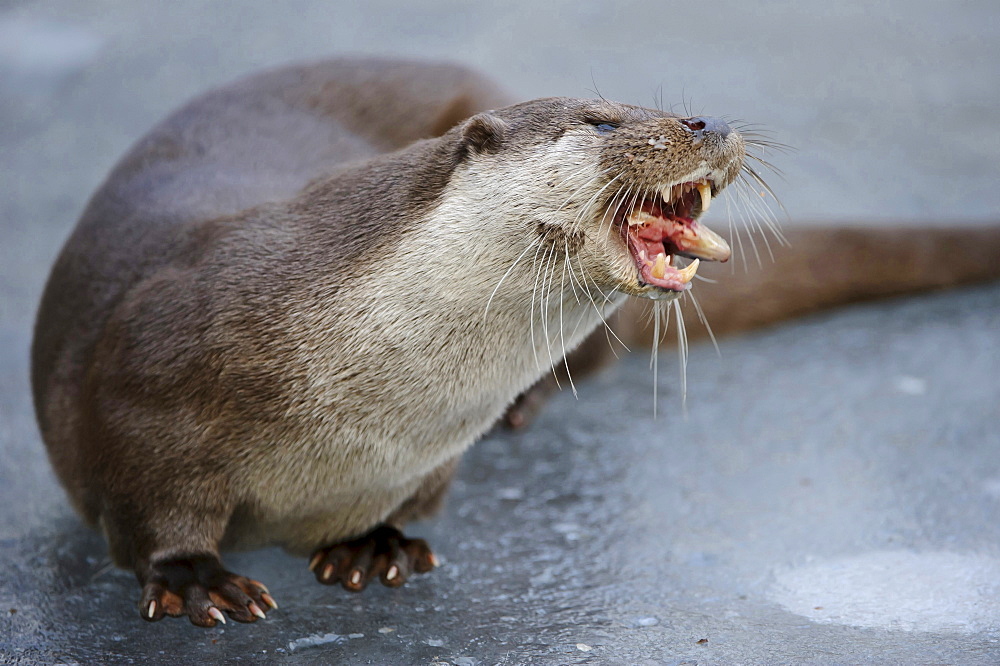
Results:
x,y
296,302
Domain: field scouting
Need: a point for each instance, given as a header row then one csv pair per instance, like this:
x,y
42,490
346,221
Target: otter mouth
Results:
x,y
664,225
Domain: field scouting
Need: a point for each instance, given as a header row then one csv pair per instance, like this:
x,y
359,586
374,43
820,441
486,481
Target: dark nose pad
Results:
x,y
702,124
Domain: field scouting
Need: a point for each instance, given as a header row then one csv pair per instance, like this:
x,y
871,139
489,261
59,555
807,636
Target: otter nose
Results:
x,y
701,124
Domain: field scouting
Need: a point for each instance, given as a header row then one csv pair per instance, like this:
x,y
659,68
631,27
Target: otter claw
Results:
x,y
255,609
316,559
201,589
383,553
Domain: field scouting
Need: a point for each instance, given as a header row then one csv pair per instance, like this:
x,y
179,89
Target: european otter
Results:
x,y
296,302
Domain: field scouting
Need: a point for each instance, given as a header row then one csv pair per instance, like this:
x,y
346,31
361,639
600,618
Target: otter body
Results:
x,y
291,308
296,302
167,295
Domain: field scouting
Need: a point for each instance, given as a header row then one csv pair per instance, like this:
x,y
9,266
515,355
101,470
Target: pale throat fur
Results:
x,y
441,303
517,261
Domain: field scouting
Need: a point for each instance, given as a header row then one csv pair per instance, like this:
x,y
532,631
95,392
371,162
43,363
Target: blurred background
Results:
x,y
893,111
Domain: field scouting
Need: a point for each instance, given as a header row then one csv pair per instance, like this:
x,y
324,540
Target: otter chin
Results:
x,y
296,302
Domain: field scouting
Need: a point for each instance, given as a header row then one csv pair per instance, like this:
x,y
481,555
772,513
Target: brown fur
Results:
x,y
270,324
211,365
139,257
261,139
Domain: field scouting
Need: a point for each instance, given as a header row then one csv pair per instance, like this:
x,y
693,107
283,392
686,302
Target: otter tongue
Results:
x,y
699,241
688,236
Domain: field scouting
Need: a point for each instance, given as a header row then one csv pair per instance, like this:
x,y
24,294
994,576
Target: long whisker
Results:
x,y
544,304
760,214
607,327
621,202
682,349
586,206
536,267
747,219
762,209
583,187
512,266
704,320
760,181
562,336
654,359
734,232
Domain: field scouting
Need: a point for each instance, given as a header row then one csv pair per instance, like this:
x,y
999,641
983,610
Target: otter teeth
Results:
x,y
638,218
675,192
706,195
660,267
687,273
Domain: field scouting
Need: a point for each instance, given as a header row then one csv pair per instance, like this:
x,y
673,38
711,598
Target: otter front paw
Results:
x,y
383,552
200,588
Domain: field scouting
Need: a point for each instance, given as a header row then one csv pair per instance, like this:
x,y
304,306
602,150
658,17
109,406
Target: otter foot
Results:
x,y
529,404
200,588
525,408
383,552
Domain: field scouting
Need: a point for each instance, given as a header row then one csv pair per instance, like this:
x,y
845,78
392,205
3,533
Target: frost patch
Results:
x,y
899,590
316,640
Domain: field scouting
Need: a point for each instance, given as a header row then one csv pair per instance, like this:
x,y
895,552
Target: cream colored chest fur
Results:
x,y
405,370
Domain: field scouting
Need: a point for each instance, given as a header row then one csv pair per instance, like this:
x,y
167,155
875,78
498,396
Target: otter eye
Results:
x,y
603,127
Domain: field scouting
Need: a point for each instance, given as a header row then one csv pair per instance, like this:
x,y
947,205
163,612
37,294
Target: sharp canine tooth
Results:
x,y
687,274
660,267
706,195
638,217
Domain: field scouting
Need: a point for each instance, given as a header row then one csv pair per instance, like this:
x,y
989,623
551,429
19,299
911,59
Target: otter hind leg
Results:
x,y
384,552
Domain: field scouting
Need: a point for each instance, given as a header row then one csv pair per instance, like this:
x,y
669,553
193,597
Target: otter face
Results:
x,y
625,186
666,172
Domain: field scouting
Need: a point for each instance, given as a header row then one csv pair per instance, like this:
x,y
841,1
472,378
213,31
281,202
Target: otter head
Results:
x,y
618,189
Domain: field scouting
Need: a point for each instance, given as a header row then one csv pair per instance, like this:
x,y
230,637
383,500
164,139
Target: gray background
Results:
x,y
831,494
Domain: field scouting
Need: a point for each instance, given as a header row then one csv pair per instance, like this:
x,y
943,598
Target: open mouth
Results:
x,y
664,225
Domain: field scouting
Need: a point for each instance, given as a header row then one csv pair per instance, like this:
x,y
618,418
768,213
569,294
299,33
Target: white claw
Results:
x,y
217,614
255,609
151,611
317,558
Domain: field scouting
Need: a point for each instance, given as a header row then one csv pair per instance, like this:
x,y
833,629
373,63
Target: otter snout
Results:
x,y
702,125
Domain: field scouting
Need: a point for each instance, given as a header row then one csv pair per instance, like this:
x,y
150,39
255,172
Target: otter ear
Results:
x,y
483,132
